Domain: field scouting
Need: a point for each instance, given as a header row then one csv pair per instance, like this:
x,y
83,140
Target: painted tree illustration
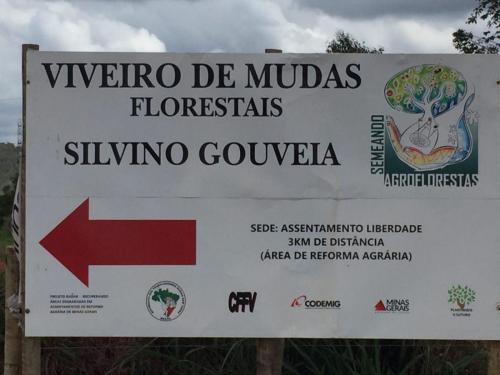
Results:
x,y
429,91
462,296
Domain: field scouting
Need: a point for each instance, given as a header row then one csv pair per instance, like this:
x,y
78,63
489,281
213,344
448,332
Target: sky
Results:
x,y
301,26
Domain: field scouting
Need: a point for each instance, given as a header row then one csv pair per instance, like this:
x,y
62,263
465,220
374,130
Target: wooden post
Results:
x,y
494,346
12,346
270,351
270,356
31,355
494,358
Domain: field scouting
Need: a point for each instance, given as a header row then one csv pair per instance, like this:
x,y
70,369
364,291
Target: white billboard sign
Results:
x,y
280,195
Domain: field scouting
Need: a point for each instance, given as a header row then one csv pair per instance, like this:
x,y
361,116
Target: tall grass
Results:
x,y
148,356
237,356
384,357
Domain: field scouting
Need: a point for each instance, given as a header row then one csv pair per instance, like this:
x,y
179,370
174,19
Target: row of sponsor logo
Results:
x,y
166,301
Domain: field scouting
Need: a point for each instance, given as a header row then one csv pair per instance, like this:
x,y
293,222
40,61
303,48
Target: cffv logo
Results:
x,y
238,301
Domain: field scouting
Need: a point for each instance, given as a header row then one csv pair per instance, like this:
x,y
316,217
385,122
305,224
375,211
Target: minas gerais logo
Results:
x,y
399,305
166,301
428,135
461,297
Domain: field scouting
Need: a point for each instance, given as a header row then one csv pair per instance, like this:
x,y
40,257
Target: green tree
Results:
x,y
346,43
7,200
462,296
466,42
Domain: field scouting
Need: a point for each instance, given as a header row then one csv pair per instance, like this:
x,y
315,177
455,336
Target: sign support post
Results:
x,y
494,346
270,351
12,350
270,356
494,358
31,355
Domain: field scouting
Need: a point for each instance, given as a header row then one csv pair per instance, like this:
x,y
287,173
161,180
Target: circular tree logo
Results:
x,y
166,301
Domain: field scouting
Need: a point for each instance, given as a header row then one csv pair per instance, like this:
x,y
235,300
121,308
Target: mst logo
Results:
x,y
239,301
166,301
305,303
461,297
393,305
429,134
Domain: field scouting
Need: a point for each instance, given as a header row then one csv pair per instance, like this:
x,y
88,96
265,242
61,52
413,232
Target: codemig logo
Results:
x,y
306,303
428,133
240,301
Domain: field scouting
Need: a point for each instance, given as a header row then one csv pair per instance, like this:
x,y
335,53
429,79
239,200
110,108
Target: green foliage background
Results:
x,y
8,164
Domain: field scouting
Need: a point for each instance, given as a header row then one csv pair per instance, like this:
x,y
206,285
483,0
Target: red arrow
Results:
x,y
78,242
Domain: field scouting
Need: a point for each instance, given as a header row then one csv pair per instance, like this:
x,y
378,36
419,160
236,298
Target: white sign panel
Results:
x,y
263,195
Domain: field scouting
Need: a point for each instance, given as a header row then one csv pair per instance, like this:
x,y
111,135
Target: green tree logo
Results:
x,y
462,296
